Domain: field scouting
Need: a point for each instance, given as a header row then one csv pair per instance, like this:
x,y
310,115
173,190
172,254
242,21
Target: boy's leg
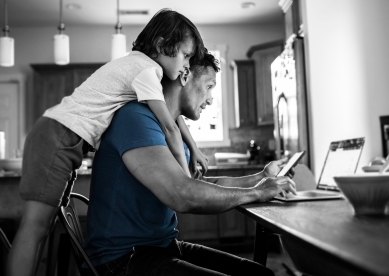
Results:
x,y
51,154
27,247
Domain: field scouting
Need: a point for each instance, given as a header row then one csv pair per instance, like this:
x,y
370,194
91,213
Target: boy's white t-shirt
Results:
x,y
89,110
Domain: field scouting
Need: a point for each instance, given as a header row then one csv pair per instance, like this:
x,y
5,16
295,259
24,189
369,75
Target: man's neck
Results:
x,y
172,105
171,91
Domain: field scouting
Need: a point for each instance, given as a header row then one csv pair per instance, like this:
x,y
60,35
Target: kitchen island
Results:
x,y
192,227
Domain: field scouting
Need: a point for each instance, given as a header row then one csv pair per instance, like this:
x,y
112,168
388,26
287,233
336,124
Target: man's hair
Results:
x,y
199,67
174,28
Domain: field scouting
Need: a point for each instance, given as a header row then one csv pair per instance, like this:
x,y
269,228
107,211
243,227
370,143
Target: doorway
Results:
x,y
11,112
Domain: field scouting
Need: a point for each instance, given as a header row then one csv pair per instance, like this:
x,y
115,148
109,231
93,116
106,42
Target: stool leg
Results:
x,y
261,244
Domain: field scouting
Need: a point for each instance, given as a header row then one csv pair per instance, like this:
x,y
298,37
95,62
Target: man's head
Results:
x,y
189,95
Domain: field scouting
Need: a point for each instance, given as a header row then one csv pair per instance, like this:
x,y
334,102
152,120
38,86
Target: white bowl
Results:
x,y
11,164
367,193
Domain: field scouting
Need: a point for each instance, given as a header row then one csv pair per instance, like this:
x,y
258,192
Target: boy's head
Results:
x,y
174,29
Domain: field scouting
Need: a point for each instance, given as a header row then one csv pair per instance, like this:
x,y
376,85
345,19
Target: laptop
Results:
x,y
342,158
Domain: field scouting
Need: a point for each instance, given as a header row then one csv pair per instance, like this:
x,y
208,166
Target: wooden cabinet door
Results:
x,y
197,227
245,96
49,89
232,224
264,99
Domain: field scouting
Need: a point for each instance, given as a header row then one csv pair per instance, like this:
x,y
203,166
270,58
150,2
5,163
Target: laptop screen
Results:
x,y
342,158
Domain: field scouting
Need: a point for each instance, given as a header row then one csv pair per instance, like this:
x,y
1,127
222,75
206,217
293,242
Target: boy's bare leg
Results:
x,y
35,226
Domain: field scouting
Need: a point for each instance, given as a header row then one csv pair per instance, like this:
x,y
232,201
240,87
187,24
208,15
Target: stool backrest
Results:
x,y
304,178
69,219
5,246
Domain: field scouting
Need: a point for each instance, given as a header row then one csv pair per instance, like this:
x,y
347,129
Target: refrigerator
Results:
x,y
289,95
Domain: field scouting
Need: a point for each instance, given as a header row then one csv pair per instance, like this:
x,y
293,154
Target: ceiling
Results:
x,y
26,13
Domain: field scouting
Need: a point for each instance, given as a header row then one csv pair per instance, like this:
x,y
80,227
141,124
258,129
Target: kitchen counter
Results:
x,y
11,204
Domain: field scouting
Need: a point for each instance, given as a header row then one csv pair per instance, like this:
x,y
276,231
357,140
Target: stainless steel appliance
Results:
x,y
290,101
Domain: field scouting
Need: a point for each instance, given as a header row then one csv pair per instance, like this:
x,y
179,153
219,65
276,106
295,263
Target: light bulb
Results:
x,y
7,52
61,49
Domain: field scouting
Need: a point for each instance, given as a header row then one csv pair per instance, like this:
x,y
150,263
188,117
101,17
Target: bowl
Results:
x,y
11,164
367,193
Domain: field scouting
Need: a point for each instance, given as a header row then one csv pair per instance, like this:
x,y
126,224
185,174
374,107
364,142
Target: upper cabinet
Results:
x,y
53,82
244,92
292,17
263,56
252,85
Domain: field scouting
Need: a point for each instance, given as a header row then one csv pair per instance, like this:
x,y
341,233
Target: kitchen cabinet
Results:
x,y
244,92
292,17
263,55
53,82
252,85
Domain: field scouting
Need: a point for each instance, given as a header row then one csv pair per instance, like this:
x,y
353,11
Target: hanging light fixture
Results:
x,y
7,44
118,47
61,42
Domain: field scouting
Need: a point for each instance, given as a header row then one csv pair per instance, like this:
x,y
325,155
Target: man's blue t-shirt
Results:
x,y
122,212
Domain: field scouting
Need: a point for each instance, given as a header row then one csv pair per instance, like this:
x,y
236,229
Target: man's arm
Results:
x,y
248,181
156,168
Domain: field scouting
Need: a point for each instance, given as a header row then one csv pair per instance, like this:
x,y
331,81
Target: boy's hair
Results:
x,y
174,28
198,67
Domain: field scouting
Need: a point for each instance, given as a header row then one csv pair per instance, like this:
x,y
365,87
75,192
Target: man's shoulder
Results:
x,y
135,111
134,126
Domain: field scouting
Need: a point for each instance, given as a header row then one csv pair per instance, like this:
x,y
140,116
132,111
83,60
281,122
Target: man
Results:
x,y
137,186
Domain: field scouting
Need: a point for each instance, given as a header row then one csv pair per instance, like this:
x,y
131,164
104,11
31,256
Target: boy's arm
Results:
x,y
270,170
172,132
195,154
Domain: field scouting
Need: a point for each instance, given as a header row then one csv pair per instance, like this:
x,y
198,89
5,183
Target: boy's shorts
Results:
x,y
51,155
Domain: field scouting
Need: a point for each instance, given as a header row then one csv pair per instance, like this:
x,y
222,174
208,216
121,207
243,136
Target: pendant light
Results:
x,y
61,42
7,44
118,45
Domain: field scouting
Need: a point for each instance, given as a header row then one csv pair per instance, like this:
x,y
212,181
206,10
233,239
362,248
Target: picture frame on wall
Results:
x,y
384,122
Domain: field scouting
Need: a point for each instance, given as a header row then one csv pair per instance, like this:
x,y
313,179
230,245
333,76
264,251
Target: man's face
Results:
x,y
197,93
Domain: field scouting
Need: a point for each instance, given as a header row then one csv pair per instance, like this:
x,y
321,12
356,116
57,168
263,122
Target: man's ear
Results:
x,y
158,44
184,78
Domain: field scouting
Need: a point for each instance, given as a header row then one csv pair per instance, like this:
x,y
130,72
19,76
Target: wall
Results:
x,y
348,75
90,44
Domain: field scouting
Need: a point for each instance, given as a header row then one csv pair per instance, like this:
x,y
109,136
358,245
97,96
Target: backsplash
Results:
x,y
240,139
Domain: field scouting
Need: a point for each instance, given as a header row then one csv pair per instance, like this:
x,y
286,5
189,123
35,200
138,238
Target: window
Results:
x,y
211,130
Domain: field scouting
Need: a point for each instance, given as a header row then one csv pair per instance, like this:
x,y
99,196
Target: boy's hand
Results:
x,y
198,157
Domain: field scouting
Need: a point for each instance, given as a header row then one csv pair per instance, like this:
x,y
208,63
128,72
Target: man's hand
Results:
x,y
273,168
269,187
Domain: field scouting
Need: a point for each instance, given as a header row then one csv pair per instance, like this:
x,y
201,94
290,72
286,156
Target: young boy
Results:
x,y
54,148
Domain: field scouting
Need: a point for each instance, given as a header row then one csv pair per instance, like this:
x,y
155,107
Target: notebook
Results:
x,y
342,158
